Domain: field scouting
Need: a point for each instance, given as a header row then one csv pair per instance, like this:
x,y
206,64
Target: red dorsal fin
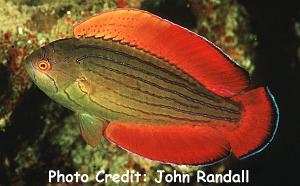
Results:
x,y
177,144
190,52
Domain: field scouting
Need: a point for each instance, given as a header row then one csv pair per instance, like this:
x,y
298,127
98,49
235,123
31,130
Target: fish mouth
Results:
x,y
33,73
30,70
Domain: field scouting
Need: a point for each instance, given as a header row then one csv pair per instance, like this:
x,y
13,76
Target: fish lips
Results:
x,y
30,70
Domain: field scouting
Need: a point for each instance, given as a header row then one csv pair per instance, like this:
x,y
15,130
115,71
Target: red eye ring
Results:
x,y
43,65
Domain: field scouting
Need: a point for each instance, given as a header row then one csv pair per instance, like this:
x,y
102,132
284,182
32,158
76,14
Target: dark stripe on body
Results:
x,y
163,106
148,64
137,110
163,115
116,67
98,104
93,101
172,108
143,91
151,83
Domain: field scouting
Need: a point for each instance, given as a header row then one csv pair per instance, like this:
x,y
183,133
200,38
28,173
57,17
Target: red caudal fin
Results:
x,y
258,124
176,144
188,51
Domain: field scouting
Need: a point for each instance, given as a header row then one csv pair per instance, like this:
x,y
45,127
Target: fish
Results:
x,y
155,89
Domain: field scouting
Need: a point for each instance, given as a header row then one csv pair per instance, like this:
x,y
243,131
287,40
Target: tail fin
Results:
x,y
258,124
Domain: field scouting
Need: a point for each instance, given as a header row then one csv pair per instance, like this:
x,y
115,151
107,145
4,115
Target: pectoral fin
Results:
x,y
91,128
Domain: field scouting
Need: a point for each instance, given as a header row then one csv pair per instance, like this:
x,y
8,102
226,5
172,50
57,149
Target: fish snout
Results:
x,y
30,69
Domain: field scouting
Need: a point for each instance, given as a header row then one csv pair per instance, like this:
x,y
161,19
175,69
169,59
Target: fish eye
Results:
x,y
43,65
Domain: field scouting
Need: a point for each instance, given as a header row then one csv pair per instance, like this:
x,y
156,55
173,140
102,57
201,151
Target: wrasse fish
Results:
x,y
155,89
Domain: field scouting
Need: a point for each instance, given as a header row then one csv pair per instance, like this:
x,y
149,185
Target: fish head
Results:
x,y
51,68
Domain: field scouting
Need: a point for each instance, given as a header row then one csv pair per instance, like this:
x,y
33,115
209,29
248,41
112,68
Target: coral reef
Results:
x,y
37,134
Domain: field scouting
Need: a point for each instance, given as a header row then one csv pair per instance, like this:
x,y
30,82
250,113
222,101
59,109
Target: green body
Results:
x,y
117,82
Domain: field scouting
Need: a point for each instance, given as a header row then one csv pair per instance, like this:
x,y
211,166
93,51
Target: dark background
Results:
x,y
276,65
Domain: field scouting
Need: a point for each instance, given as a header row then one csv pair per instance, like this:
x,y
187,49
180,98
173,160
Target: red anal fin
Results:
x,y
193,54
169,143
258,124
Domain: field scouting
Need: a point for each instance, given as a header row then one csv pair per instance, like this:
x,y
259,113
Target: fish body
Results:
x,y
137,93
121,83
